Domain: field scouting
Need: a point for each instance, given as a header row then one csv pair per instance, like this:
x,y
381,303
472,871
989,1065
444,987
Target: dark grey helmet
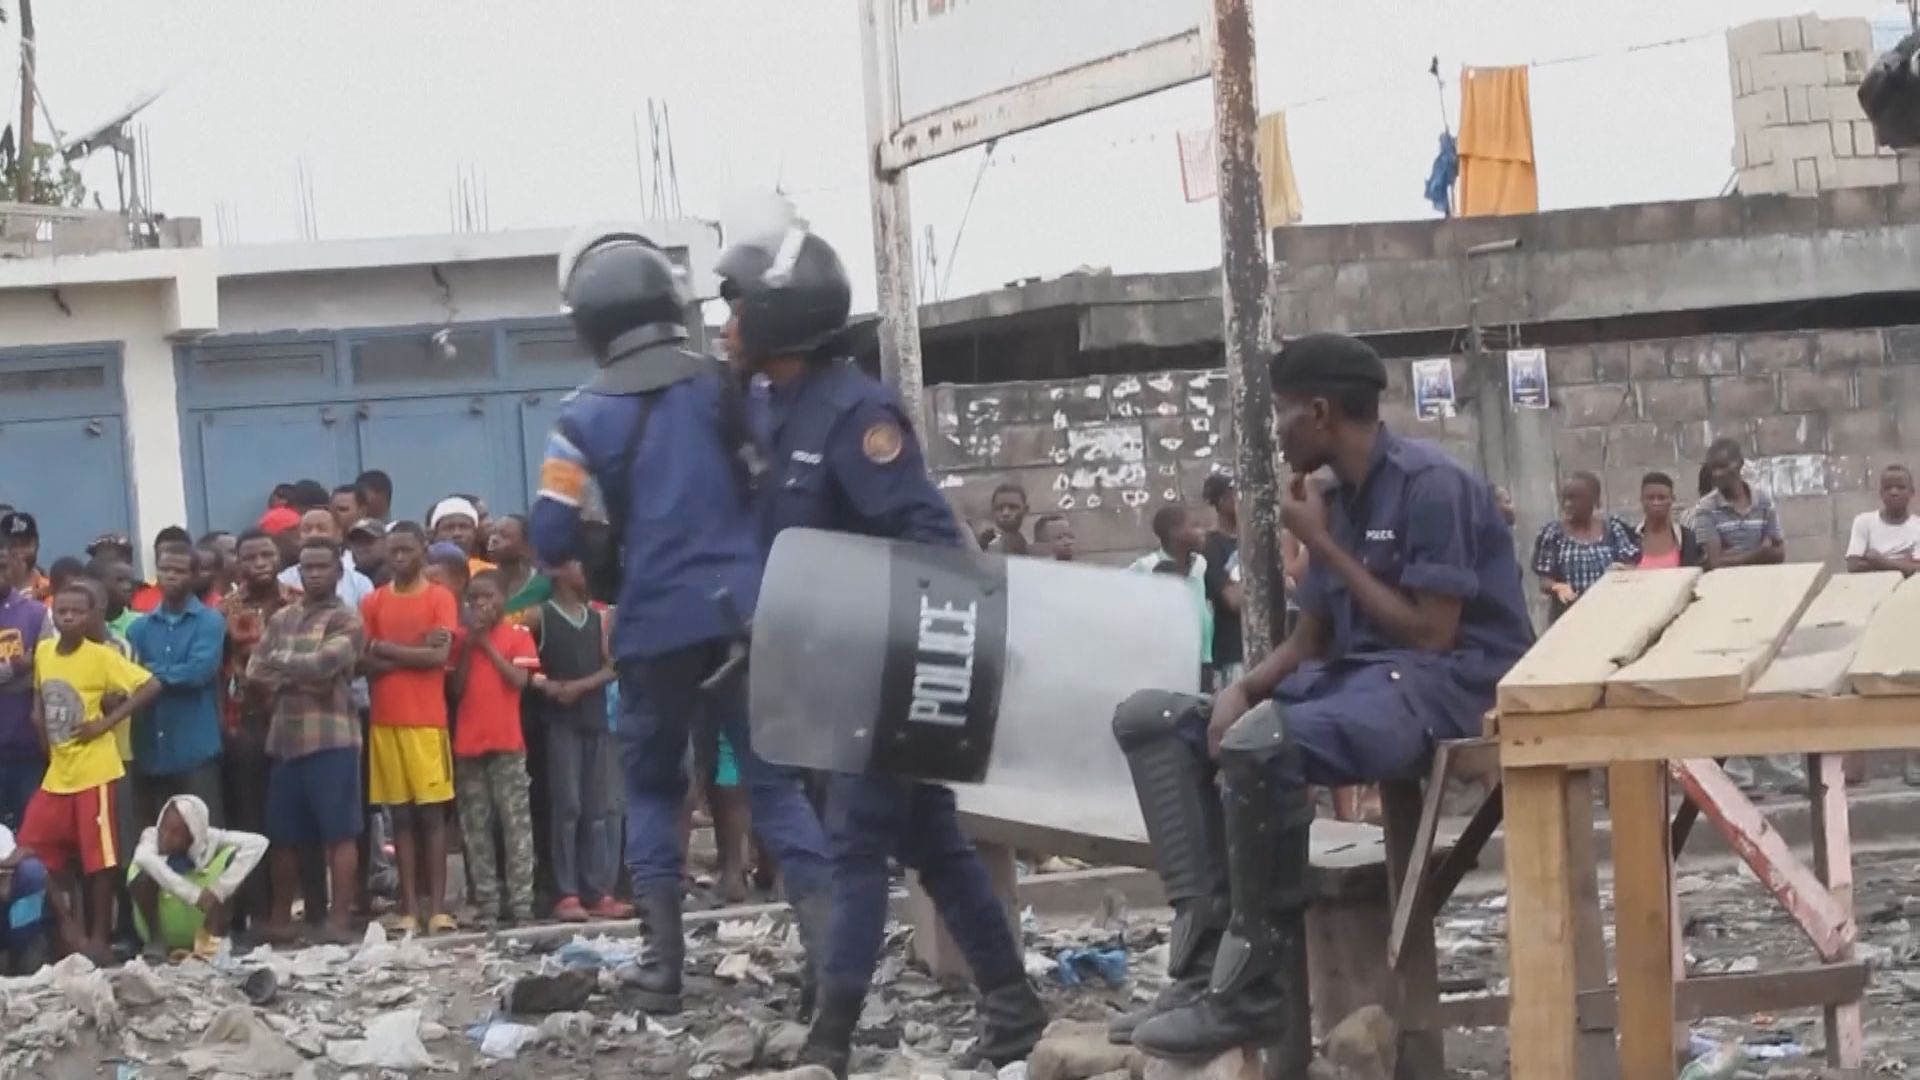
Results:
x,y
791,289
622,292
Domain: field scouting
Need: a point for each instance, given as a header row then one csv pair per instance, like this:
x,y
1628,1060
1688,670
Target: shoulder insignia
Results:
x,y
882,442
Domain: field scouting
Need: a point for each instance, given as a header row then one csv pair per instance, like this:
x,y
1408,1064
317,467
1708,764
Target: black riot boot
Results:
x,y
1012,1020
1182,811
813,914
1268,822
830,1038
655,980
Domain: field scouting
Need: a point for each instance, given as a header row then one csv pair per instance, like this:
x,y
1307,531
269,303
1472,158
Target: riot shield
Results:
x,y
951,665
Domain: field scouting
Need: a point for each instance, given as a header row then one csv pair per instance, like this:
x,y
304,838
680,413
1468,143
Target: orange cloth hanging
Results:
x,y
1278,190
1496,143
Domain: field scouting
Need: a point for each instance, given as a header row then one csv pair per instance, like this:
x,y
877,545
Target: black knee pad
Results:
x,y
1148,716
1258,752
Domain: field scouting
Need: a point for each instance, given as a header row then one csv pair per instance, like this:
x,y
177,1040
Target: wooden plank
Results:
x,y
1465,854
1833,862
1725,638
1699,998
1814,660
1827,923
1643,923
1597,1057
1886,664
1776,726
1540,935
1410,902
1417,977
1567,669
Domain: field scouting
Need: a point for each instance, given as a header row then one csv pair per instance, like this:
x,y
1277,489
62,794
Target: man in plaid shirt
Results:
x,y
306,661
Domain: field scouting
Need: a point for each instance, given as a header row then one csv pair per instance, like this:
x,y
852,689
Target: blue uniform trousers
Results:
x,y
872,818
660,702
1361,721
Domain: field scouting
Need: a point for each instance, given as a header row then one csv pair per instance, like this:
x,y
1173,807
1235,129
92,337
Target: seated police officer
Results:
x,y
842,457
1410,613
661,433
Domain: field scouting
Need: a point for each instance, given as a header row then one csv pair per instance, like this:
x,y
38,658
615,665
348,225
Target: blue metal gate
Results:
x,y
469,415
63,443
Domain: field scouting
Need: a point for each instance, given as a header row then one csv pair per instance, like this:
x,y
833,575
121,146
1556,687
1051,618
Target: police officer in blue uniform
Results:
x,y
842,457
1410,613
662,433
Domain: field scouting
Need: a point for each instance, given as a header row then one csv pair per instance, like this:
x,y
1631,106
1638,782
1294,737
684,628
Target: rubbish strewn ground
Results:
x,y
390,1006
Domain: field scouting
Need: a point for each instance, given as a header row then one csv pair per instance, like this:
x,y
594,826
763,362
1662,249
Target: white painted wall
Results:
x,y
396,296
136,316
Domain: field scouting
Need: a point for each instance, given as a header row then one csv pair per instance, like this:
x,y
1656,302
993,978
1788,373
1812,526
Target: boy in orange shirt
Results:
x,y
410,624
497,661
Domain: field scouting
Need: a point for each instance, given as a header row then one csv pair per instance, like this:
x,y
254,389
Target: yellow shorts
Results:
x,y
409,766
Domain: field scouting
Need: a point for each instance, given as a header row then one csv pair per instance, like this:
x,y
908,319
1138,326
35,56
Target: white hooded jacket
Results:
x,y
248,850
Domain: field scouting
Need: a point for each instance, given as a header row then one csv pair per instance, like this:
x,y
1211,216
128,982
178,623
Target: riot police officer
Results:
x,y
660,433
842,457
1410,613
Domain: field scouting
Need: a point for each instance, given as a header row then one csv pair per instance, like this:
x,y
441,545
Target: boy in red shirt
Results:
x,y
410,623
497,660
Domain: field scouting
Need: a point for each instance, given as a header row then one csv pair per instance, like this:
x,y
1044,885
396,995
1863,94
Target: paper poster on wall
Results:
x,y
1433,389
1527,378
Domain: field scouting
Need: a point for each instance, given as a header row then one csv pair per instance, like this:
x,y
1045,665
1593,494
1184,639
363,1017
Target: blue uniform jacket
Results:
x,y
183,650
690,525
1422,523
841,456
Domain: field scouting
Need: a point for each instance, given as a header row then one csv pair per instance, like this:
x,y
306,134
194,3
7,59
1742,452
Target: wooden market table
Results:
x,y
1653,676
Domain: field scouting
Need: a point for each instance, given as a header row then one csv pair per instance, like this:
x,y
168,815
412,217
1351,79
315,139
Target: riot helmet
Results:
x,y
622,292
787,288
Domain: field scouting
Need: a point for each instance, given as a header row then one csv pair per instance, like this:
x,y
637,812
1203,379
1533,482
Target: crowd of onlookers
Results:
x,y
309,715
1733,522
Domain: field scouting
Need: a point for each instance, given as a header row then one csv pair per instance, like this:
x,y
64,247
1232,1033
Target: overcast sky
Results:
x,y
387,102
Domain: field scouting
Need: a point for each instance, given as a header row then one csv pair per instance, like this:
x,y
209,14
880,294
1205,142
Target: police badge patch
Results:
x,y
882,442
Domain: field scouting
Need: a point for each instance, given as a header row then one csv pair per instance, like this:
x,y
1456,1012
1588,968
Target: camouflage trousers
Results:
x,y
488,787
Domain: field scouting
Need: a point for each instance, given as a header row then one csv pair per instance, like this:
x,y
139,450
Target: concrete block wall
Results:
x,y
1798,125
1106,451
1111,450
1819,413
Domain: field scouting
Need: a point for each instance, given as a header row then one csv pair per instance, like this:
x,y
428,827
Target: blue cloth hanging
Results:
x,y
1446,171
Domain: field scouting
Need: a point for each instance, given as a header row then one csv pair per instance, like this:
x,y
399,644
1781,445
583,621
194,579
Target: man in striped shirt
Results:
x,y
1737,522
1738,525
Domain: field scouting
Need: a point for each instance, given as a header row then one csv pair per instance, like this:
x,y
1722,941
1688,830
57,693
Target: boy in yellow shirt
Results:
x,y
71,819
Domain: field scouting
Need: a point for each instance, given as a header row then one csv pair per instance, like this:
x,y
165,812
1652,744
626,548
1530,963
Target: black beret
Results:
x,y
1327,362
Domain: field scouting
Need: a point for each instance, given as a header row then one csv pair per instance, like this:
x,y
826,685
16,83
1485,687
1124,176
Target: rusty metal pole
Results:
x,y
892,220
1247,330
1248,322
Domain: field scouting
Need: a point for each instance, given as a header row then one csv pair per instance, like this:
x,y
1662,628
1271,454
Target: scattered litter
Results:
x,y
134,985
597,952
392,1042
1720,1063
733,1046
503,1040
1109,965
260,986
537,995
568,1027
236,1043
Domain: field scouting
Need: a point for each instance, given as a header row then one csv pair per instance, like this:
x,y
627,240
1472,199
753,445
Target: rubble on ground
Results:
x,y
390,1007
